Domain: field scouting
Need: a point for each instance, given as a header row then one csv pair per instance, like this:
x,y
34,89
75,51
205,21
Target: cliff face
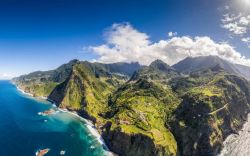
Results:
x,y
210,112
157,111
133,144
141,109
87,89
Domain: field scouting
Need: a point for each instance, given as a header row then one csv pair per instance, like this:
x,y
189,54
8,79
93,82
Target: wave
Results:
x,y
29,94
92,129
89,125
22,91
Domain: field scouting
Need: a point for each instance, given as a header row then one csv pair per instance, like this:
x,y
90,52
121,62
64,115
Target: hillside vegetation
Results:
x,y
150,110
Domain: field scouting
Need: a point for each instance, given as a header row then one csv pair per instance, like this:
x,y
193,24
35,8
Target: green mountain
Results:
x,y
214,105
157,70
42,83
87,89
191,64
157,110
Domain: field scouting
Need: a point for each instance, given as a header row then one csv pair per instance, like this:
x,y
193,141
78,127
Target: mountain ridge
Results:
x,y
158,110
191,64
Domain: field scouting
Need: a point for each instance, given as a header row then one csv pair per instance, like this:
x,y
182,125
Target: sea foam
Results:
x,y
92,129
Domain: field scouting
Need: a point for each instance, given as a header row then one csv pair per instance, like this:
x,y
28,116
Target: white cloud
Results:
x,y
172,34
244,21
126,44
235,28
246,40
5,76
236,24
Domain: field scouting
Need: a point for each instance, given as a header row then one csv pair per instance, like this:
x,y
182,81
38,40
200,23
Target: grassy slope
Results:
x,y
199,116
39,89
139,107
85,90
144,107
213,106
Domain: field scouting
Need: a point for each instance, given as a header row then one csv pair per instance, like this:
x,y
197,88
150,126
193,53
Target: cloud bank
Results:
x,y
123,43
5,76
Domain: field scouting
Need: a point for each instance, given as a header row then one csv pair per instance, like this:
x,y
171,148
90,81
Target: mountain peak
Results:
x,y
160,65
158,61
196,63
74,61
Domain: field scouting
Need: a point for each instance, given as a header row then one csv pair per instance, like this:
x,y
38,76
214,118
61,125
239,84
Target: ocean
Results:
x,y
24,131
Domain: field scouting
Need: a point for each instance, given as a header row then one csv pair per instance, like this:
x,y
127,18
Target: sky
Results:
x,y
43,34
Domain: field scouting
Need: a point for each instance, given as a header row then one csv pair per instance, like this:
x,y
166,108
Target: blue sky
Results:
x,y
43,34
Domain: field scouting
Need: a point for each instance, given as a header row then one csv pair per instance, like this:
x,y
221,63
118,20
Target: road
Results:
x,y
217,110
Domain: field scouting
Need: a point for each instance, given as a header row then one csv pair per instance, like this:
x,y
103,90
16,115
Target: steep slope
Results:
x,y
87,89
138,113
119,113
192,117
244,70
214,105
57,75
41,83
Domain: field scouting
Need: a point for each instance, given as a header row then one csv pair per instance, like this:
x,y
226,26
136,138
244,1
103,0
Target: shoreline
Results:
x,y
89,124
32,95
22,91
92,129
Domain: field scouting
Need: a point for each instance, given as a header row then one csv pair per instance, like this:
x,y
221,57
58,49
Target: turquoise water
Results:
x,y
23,131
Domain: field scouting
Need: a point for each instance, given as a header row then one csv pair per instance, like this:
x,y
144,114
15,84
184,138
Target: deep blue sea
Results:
x,y
23,131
